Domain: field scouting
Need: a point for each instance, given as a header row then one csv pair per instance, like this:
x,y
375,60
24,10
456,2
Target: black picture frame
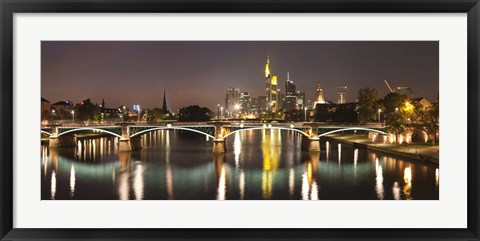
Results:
x,y
9,7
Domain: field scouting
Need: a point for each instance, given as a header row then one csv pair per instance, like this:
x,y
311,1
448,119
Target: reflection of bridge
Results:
x,y
130,134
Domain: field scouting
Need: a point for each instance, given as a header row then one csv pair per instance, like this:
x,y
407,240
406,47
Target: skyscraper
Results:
x,y
341,94
232,101
290,95
244,102
271,89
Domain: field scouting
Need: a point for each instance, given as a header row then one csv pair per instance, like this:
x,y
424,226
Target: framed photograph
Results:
x,y
264,120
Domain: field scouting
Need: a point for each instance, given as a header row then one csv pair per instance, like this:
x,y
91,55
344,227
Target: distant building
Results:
x,y
254,106
290,99
109,112
319,99
63,107
245,102
262,105
164,106
45,109
232,101
341,94
301,100
422,101
404,91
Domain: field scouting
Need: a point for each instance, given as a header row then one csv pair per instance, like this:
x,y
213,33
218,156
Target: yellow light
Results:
x,y
274,80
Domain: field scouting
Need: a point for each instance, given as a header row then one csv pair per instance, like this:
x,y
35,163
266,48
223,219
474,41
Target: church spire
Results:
x,y
164,107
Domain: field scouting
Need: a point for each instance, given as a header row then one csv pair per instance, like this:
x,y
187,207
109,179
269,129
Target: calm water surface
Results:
x,y
264,164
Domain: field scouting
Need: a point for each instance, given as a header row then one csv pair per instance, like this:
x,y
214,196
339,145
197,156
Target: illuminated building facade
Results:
x,y
341,94
232,101
271,89
290,102
319,99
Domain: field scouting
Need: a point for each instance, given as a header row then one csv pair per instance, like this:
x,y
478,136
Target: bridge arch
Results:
x,y
267,128
172,128
45,132
91,129
352,129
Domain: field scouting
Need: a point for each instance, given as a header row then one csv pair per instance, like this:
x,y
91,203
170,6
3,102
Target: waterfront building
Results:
x,y
244,102
262,105
290,100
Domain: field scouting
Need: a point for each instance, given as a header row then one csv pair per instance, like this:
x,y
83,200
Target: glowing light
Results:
x,y
269,125
407,178
328,149
436,177
339,152
138,185
314,193
53,185
264,126
72,180
237,145
379,180
222,187
355,157
291,126
123,187
274,80
241,125
236,107
305,186
169,125
241,184
291,181
396,191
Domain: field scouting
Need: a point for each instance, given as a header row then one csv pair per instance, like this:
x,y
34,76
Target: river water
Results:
x,y
258,165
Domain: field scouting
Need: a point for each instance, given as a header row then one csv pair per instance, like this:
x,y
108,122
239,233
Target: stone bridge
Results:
x,y
130,134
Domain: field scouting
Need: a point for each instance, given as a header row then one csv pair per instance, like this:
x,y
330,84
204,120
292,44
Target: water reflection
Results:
x,y
265,164
407,188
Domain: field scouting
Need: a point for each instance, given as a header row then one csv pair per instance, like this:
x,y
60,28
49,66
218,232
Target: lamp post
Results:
x,y
139,113
73,116
218,112
53,115
305,114
221,110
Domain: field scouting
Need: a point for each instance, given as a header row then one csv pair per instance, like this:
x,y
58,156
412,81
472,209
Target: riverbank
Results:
x,y
423,152
81,136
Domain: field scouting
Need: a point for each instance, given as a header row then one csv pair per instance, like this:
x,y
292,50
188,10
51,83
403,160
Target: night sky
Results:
x,y
198,72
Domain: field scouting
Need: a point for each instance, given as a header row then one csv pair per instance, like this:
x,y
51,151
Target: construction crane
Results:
x,y
390,88
401,90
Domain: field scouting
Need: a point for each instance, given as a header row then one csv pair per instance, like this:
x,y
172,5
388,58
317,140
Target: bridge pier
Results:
x,y
311,144
219,145
128,143
56,141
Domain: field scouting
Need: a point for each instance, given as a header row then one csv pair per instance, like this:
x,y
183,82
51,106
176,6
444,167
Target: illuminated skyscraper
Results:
x,y
232,101
271,89
290,102
341,94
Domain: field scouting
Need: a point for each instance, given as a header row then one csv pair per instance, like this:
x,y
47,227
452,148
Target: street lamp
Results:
x,y
305,114
218,112
73,116
53,115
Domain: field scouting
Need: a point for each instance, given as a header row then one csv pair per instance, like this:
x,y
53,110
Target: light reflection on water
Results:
x,y
265,164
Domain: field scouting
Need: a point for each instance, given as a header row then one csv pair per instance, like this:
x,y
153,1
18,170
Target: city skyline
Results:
x,y
128,73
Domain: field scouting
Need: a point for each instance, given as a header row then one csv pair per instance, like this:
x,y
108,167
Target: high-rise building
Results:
x,y
254,106
290,101
341,94
301,101
262,105
271,89
244,102
319,99
232,102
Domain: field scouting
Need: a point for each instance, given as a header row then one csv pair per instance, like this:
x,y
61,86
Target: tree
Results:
x,y
194,113
367,104
396,123
428,118
155,115
88,111
392,101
